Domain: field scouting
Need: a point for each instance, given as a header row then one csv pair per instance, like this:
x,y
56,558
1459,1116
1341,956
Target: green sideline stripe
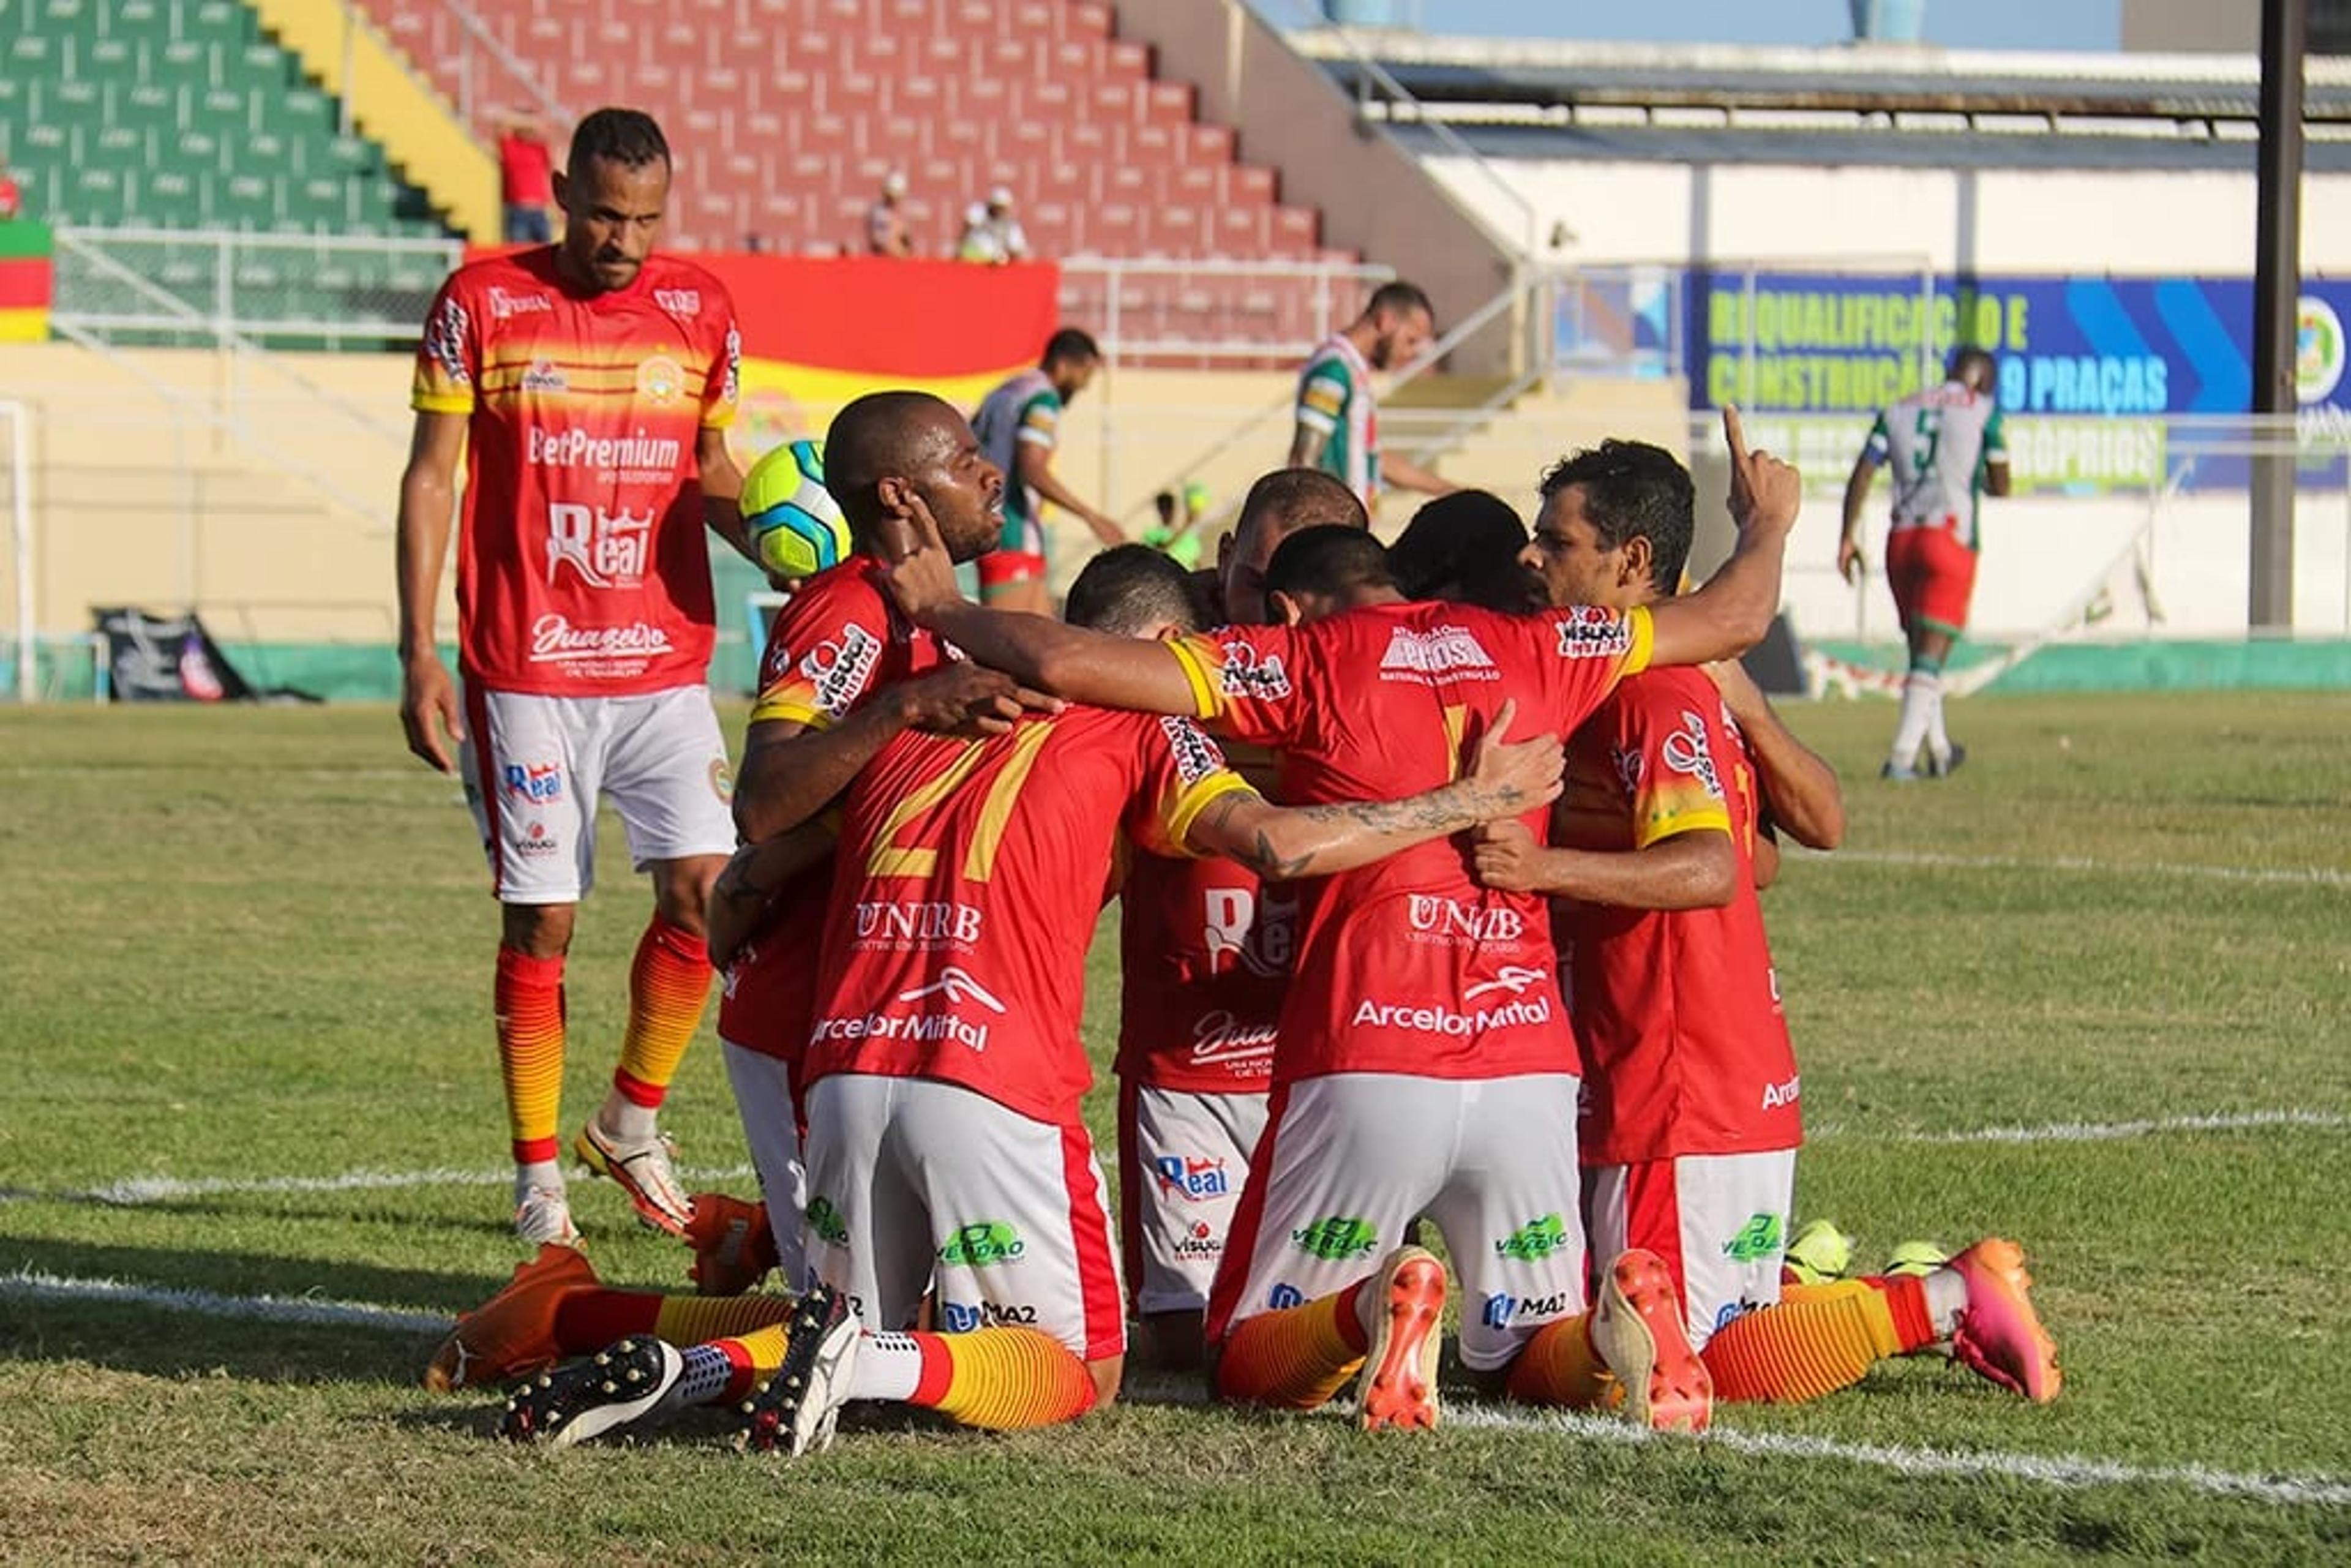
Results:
x,y
367,672
25,237
2249,665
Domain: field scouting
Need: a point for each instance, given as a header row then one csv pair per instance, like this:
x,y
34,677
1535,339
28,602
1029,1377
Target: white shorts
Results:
x,y
1183,1161
763,1098
912,1181
533,768
1719,1221
1352,1159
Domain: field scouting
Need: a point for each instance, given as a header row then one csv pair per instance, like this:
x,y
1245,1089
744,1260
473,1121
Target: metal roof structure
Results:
x,y
1869,104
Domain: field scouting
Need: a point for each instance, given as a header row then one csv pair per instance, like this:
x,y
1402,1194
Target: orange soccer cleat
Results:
x,y
1999,1334
513,1333
1636,1327
1399,1385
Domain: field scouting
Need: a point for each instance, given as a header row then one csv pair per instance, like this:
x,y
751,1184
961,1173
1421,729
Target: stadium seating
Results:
x,y
179,114
786,115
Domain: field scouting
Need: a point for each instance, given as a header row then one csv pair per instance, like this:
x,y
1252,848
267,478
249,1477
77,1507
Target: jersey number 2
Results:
x,y
890,857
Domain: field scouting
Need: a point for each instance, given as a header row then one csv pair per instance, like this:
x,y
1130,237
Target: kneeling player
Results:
x,y
944,1066
1204,957
1691,1111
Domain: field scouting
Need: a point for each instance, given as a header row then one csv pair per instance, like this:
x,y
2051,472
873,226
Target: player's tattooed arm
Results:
x,y
1696,870
1280,843
743,901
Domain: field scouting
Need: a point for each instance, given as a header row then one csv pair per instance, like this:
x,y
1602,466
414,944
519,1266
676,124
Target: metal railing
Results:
x,y
208,287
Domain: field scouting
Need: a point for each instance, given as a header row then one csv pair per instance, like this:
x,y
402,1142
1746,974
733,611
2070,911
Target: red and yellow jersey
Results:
x,y
967,889
581,566
1205,950
833,645
1678,1013
1407,965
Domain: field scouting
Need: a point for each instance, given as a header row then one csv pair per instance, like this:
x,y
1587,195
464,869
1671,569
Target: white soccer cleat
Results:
x,y
645,1171
544,1216
798,1408
589,1398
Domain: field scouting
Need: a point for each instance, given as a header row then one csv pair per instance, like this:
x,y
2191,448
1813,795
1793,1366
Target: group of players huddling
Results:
x,y
1466,929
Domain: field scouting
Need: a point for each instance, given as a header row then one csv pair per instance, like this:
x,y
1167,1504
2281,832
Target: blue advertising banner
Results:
x,y
1808,343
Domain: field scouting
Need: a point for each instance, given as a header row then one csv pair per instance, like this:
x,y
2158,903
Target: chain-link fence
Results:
x,y
166,287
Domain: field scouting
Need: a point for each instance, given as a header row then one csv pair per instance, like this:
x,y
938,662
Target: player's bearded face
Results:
x,y
1403,335
612,216
1566,554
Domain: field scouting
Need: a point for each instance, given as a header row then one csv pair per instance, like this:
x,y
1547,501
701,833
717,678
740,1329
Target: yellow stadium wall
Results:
x,y
139,498
393,105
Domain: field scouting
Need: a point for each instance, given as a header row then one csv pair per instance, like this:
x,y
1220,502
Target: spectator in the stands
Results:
x,y
991,235
885,222
12,199
526,179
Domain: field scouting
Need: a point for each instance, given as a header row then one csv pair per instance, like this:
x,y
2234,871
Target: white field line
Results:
x,y
33,1284
2095,1132
2057,1470
2067,1470
2305,876
2072,1471
134,1191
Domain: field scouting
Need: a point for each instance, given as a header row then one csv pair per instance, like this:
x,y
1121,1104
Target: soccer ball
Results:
x,y
795,524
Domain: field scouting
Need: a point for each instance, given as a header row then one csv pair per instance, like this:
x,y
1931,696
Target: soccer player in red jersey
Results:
x,y
1205,950
1203,959
842,673
944,1065
588,386
1425,1063
1691,1116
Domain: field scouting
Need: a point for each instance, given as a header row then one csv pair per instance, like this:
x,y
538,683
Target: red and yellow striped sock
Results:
x,y
1558,1366
751,1360
529,1003
1000,1379
1825,1339
1294,1358
587,1320
668,984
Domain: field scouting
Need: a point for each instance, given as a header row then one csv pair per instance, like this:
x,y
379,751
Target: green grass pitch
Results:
x,y
255,945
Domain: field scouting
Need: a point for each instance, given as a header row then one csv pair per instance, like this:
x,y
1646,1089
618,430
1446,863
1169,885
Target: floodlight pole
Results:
x,y
2277,284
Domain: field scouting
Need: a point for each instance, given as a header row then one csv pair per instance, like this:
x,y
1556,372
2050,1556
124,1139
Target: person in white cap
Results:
x,y
885,224
991,235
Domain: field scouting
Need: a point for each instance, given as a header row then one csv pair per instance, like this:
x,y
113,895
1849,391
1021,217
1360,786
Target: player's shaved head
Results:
x,y
1975,368
1320,570
1131,590
1279,504
888,448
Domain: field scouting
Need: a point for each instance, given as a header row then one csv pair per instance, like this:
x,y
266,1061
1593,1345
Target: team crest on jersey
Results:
x,y
1244,674
445,341
661,379
1195,755
681,302
1685,751
1630,766
1588,632
839,670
